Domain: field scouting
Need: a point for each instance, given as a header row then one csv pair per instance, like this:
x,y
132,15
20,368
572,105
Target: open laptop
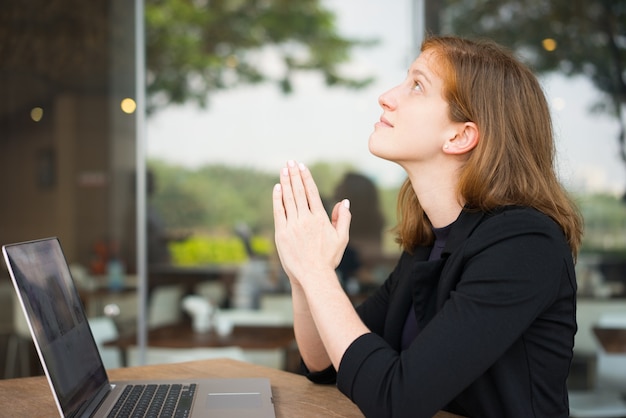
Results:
x,y
71,361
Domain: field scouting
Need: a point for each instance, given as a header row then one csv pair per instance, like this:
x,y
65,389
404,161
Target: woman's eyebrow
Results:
x,y
416,72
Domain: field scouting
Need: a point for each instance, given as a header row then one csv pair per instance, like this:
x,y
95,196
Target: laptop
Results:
x,y
70,359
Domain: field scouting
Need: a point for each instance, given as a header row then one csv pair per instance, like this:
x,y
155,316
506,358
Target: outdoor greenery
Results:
x,y
211,202
217,198
207,249
213,198
605,223
194,48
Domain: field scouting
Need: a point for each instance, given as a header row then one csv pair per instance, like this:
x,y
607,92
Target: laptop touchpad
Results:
x,y
239,400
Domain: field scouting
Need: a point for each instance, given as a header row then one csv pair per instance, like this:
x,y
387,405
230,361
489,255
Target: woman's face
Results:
x,y
415,123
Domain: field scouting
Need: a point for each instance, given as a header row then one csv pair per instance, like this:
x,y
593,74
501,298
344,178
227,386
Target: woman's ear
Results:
x,y
464,141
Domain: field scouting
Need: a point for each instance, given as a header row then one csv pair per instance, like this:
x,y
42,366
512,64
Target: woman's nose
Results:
x,y
387,100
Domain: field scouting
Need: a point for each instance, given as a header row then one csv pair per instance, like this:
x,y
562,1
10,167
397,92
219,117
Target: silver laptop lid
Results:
x,y
57,322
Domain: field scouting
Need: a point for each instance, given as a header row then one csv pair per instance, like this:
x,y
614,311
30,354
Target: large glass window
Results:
x,y
67,133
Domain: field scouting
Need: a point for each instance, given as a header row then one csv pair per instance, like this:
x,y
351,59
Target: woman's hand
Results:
x,y
308,242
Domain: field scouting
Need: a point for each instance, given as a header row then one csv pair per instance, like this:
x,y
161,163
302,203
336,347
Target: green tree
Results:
x,y
212,198
605,222
573,37
327,176
173,197
215,199
197,47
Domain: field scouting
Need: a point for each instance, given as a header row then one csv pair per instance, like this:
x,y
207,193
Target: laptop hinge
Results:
x,y
89,408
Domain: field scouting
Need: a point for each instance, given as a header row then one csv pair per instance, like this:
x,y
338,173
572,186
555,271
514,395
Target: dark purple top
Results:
x,y
410,325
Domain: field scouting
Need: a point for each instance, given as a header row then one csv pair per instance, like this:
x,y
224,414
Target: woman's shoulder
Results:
x,y
509,214
508,220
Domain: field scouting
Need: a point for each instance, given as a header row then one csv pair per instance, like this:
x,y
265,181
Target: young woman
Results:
x,y
478,316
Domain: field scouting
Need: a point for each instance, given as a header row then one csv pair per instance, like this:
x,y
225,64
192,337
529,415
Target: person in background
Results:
x,y
479,315
364,252
158,234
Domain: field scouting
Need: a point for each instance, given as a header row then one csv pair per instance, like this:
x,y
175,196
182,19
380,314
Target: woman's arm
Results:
x,y
310,344
310,247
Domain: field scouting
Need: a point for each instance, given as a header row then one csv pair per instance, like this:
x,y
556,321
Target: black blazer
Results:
x,y
497,318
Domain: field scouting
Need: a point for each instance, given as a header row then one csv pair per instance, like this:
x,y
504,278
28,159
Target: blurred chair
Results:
x,y
164,305
252,317
19,344
611,364
606,399
276,310
104,329
279,303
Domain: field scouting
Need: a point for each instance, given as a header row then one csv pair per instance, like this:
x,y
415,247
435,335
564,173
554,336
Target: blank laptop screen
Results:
x,y
58,322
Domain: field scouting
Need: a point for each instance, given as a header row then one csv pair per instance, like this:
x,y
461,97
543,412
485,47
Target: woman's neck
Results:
x,y
438,195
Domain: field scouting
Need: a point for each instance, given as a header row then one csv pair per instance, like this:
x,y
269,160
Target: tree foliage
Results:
x,y
605,222
573,37
197,47
215,199
327,176
212,198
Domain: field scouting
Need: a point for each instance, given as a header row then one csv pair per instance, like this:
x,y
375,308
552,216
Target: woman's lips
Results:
x,y
384,123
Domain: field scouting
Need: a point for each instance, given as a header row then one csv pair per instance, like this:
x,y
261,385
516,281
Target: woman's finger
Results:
x,y
341,218
278,206
299,192
312,193
289,203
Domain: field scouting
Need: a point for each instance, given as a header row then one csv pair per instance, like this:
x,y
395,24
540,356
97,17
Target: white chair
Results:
x,y
605,401
280,303
164,305
254,317
611,367
275,314
104,329
19,345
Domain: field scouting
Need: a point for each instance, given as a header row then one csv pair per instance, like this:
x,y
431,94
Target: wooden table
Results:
x,y
294,395
255,337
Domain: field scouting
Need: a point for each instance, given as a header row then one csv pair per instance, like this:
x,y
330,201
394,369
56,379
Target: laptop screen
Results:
x,y
58,322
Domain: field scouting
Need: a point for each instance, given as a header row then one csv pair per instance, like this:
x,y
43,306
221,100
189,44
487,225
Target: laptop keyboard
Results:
x,y
154,401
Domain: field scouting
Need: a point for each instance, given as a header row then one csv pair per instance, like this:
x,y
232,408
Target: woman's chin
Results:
x,y
377,150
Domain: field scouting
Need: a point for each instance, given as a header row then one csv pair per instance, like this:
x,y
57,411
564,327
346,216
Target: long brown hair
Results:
x,y
513,162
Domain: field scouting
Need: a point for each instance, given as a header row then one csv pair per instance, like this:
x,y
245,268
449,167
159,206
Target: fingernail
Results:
x,y
277,187
291,163
284,171
301,167
346,203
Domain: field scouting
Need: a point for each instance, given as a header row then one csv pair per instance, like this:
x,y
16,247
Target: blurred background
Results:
x,y
147,136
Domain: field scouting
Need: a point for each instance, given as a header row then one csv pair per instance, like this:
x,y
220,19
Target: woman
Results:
x,y
478,317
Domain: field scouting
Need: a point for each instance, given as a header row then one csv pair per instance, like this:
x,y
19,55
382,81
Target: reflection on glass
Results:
x,y
67,150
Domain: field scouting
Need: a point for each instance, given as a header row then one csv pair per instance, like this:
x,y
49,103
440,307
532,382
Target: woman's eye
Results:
x,y
417,86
